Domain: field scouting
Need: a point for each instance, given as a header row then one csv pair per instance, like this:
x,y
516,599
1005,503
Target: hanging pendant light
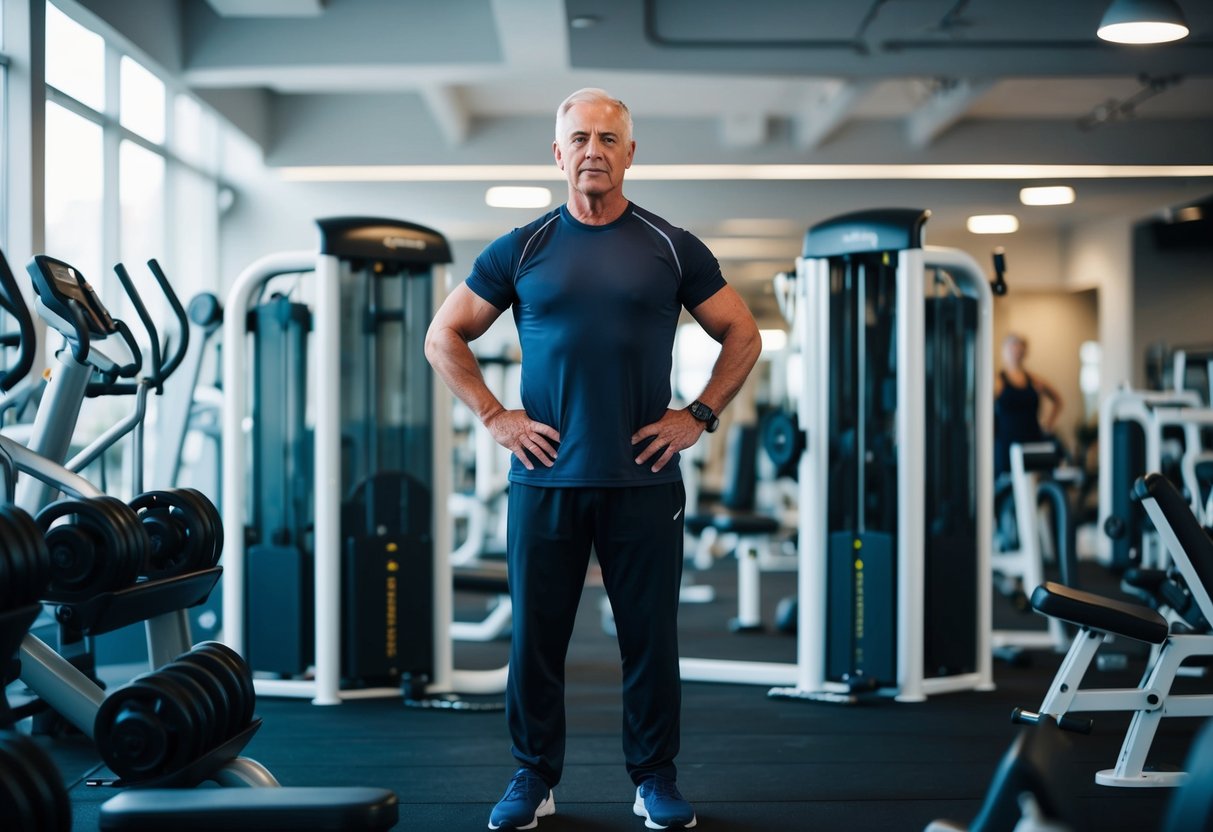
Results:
x,y
1143,21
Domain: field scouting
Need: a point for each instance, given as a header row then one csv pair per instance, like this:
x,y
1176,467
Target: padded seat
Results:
x,y
484,579
236,809
732,523
1087,609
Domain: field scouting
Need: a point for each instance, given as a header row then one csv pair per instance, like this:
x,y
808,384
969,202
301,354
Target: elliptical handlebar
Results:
x,y
173,361
148,325
162,366
14,304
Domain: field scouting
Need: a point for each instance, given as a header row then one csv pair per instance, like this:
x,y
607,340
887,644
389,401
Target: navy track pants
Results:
x,y
636,533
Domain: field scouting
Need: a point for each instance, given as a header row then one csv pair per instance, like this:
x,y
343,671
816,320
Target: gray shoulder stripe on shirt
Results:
x,y
531,239
668,241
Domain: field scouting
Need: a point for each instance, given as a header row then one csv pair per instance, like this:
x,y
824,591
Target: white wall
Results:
x,y
1173,297
1098,256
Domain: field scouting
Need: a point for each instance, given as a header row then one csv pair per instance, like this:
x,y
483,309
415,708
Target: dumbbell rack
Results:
x,y
160,603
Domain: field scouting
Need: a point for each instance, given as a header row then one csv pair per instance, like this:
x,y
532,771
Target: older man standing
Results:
x,y
596,288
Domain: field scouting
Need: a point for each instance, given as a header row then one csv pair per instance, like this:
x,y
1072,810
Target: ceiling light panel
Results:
x,y
1047,195
992,224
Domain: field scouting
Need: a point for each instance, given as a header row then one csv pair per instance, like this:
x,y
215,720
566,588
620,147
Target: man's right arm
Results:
x,y
463,317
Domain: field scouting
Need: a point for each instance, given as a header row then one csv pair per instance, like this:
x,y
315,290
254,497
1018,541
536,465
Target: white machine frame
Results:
x,y
811,331
324,381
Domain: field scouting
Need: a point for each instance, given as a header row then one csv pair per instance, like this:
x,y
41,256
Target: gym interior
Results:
x,y
253,551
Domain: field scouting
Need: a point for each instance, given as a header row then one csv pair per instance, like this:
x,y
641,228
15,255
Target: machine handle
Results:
x,y
173,361
14,304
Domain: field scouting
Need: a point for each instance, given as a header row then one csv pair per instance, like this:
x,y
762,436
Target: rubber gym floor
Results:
x,y
747,762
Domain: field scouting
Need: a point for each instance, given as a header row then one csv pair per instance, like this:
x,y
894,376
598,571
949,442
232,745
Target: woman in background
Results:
x,y
1017,404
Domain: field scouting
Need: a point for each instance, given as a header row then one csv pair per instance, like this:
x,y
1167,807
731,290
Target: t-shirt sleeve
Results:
x,y
492,276
701,277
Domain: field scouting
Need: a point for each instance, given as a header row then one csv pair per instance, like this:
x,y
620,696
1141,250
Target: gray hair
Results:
x,y
592,94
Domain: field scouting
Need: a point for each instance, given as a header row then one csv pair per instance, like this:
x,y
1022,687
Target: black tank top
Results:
x,y
1015,419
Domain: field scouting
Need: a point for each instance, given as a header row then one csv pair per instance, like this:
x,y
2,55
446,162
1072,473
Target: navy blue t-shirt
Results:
x,y
596,307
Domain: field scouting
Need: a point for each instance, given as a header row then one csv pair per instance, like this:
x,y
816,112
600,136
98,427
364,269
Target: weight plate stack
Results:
x,y
32,793
180,532
96,545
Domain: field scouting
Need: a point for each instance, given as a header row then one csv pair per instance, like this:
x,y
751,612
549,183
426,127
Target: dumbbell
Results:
x,y
234,674
32,795
96,545
184,529
153,725
164,720
25,564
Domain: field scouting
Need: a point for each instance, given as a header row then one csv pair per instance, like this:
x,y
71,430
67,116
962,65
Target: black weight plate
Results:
x,y
110,524
216,520
51,775
208,728
57,808
159,735
24,523
215,692
126,521
181,713
105,522
201,536
76,546
243,671
40,800
8,574
149,746
18,566
222,671
174,533
16,801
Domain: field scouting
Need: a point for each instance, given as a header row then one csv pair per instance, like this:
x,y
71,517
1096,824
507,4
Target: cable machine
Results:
x,y
340,482
895,448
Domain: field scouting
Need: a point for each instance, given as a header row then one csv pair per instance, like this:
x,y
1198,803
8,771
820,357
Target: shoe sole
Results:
x,y
639,810
547,807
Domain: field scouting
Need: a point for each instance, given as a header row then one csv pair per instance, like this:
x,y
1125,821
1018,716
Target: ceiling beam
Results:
x,y
450,112
533,33
821,120
267,8
743,130
942,109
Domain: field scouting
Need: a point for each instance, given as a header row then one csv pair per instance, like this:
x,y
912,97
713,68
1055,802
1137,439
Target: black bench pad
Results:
x,y
488,579
733,522
235,809
1086,609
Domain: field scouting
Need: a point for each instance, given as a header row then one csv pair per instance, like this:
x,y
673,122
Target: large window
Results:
x,y
131,175
75,59
74,165
130,163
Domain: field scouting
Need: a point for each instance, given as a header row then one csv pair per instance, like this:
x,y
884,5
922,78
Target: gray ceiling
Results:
x,y
456,82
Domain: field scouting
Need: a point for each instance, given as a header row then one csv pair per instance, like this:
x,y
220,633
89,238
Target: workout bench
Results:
x,y
1100,618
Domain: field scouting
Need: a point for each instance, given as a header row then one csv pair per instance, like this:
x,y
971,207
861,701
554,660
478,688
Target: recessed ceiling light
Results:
x,y
1047,195
993,224
1143,21
584,21
517,196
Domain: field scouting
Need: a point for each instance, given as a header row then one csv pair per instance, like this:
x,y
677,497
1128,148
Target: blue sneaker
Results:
x,y
661,805
526,800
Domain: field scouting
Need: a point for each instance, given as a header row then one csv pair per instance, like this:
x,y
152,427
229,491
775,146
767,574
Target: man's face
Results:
x,y
594,147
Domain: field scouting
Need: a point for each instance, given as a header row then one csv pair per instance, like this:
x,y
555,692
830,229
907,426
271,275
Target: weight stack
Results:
x,y
279,626
388,580
862,608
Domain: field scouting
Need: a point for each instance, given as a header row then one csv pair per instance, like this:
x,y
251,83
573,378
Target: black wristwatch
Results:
x,y
704,414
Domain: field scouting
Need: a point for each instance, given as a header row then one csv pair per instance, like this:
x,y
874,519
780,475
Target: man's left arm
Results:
x,y
727,319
